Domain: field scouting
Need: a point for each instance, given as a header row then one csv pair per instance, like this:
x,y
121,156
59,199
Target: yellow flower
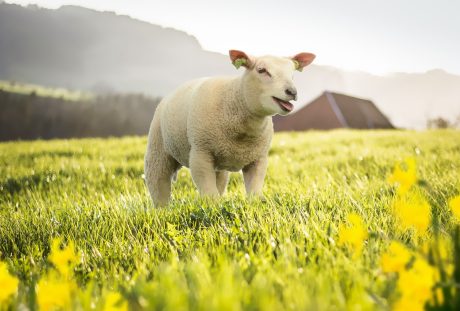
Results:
x,y
353,235
54,293
8,283
416,284
413,211
444,249
450,269
63,259
454,205
404,179
438,297
395,258
406,304
115,302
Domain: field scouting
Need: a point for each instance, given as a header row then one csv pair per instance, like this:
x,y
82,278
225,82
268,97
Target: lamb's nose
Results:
x,y
291,91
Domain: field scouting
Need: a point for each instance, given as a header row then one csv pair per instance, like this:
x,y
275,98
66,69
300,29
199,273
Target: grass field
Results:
x,y
229,254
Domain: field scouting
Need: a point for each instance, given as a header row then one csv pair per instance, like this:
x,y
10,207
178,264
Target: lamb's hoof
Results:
x,y
257,197
210,198
161,204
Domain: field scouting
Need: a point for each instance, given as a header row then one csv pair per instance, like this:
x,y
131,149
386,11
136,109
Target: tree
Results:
x,y
439,123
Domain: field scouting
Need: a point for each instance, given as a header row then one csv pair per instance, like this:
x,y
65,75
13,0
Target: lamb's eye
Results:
x,y
261,70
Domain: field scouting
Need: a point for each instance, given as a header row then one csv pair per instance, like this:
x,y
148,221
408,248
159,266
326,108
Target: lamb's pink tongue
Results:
x,y
287,105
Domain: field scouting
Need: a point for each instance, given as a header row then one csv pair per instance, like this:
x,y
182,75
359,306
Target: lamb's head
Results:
x,y
268,81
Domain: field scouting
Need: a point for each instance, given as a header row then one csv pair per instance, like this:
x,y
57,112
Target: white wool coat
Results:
x,y
212,114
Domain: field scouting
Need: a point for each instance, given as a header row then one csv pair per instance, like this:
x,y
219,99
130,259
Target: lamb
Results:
x,y
219,125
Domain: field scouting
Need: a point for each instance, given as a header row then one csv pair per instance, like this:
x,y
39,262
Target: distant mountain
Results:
x,y
79,48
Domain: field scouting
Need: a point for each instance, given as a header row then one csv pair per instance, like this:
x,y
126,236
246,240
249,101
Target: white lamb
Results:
x,y
221,124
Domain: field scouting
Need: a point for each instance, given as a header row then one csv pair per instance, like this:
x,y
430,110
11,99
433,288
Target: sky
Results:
x,y
376,36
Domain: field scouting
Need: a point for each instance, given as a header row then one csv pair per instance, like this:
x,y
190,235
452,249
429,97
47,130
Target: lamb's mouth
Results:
x,y
284,105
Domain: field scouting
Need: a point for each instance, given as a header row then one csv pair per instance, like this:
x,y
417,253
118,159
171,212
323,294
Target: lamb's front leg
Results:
x,y
254,175
221,181
203,172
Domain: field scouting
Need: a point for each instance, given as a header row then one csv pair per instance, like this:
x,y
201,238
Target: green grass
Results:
x,y
230,254
28,89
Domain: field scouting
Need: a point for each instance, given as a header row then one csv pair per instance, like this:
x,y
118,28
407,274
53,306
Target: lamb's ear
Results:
x,y
302,59
239,59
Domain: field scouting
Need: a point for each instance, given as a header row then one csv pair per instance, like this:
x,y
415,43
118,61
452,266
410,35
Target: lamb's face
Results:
x,y
268,81
274,79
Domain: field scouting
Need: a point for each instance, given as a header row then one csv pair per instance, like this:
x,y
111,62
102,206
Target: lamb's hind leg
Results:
x,y
159,167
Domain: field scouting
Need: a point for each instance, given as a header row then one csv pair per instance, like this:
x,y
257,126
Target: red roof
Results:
x,y
334,110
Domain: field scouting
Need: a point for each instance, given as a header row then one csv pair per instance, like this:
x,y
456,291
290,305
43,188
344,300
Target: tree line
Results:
x,y
31,117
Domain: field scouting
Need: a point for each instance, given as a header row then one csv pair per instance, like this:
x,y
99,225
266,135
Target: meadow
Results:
x,y
326,238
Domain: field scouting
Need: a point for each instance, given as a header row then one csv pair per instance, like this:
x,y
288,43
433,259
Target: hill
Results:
x,y
79,48
102,52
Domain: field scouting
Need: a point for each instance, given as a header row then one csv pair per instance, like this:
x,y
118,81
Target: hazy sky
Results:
x,y
377,36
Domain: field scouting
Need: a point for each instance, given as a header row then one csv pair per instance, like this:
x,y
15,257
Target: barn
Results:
x,y
333,110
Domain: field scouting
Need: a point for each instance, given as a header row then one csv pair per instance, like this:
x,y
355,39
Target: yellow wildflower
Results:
x,y
416,284
395,258
425,247
454,205
8,283
115,302
406,304
413,211
354,234
450,269
444,249
63,259
404,179
54,293
438,297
